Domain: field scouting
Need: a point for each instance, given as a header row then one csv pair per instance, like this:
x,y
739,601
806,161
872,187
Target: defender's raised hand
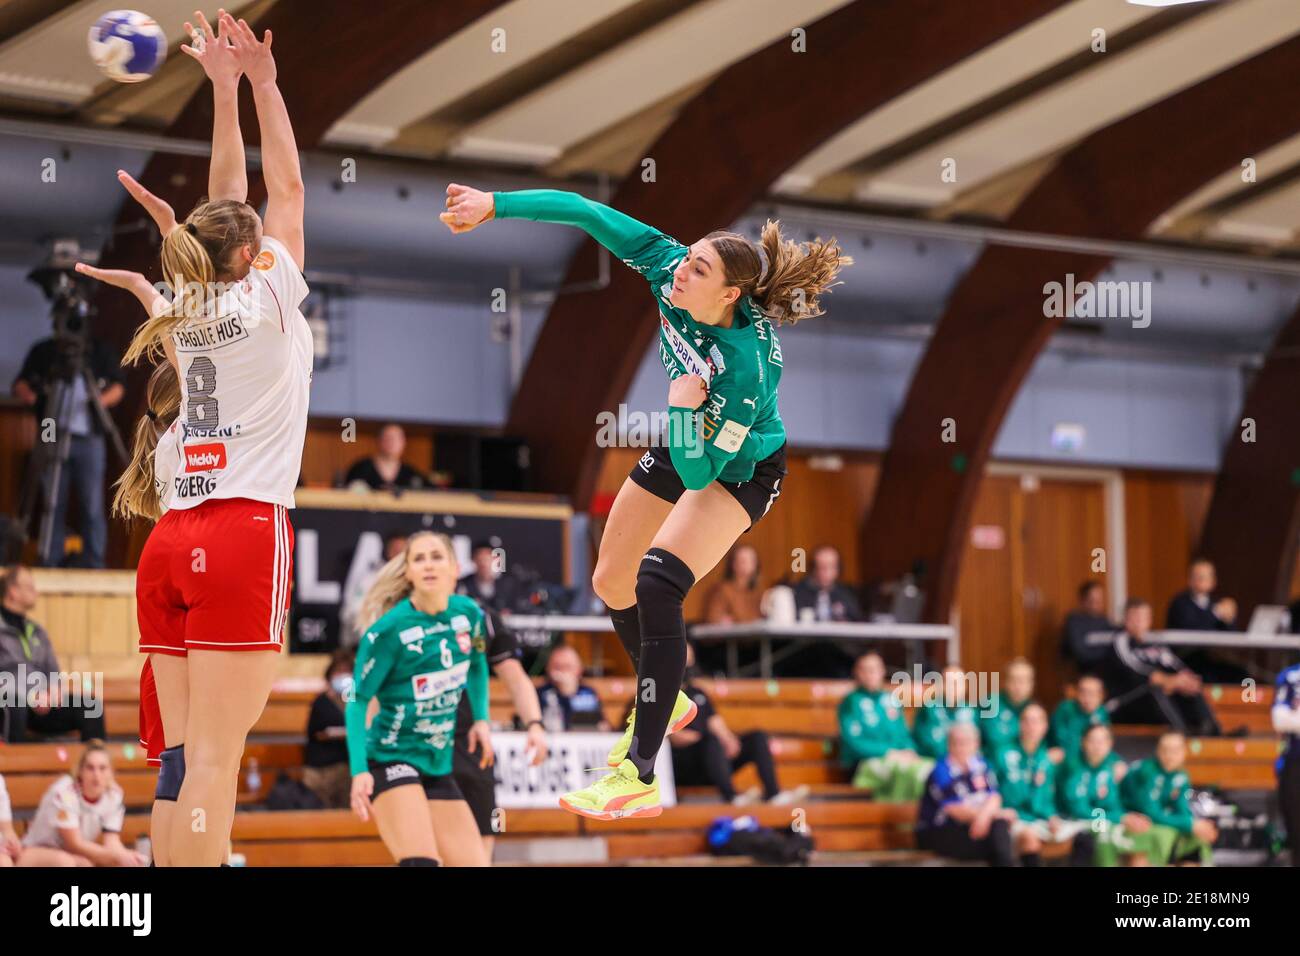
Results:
x,y
213,50
161,212
254,56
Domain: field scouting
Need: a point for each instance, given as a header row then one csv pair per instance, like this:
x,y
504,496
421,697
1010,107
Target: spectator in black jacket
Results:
x,y
1088,617
1197,609
488,584
822,592
385,470
707,751
325,758
1150,684
28,661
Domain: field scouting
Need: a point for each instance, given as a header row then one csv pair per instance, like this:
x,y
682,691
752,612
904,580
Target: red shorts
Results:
x,y
216,577
151,728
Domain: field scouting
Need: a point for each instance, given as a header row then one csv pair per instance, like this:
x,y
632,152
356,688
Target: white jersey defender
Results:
x,y
245,371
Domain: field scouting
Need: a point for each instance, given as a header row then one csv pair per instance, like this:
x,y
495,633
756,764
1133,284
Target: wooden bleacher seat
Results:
x,y
29,769
338,838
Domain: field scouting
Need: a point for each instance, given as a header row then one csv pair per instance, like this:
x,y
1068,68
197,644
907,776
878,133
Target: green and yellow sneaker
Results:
x,y
616,796
684,711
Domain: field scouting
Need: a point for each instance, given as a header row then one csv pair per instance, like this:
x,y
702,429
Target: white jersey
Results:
x,y
166,463
6,809
64,807
245,369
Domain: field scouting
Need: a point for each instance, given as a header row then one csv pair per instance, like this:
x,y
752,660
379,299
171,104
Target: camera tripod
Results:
x,y
50,455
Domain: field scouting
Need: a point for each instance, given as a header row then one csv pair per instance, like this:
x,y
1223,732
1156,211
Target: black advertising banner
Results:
x,y
338,549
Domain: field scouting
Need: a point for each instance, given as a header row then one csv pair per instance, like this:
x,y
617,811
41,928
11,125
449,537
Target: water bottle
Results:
x,y
253,779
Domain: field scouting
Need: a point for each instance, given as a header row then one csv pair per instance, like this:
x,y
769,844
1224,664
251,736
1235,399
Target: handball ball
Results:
x,y
127,46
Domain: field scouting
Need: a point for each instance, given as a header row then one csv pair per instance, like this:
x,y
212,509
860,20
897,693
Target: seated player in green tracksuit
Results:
x,y
1089,793
1159,788
1027,780
422,647
934,715
1000,726
874,740
721,467
1073,717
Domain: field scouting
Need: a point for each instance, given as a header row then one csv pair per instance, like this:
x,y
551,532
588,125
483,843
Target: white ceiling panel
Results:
x,y
51,63
1118,86
684,49
1015,59
466,62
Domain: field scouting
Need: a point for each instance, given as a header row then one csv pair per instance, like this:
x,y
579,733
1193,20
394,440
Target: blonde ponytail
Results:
x,y
136,496
391,584
194,256
788,289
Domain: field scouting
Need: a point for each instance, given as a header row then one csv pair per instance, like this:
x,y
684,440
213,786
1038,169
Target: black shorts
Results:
x,y
478,784
389,776
656,474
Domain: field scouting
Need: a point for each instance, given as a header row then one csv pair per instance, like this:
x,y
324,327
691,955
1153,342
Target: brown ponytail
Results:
x,y
195,255
136,496
789,289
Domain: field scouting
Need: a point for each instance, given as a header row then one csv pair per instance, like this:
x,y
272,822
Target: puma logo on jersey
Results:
x,y
750,402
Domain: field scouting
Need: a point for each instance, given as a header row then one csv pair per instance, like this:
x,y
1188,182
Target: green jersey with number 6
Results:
x,y
417,665
739,423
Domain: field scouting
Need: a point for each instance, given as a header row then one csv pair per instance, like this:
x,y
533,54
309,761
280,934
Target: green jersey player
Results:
x,y
684,505
1160,789
1090,792
422,648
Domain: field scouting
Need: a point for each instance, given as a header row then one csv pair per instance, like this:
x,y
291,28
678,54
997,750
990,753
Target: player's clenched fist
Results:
x,y
687,391
466,208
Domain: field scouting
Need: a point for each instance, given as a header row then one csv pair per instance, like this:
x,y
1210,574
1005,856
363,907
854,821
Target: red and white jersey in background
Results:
x,y
245,371
65,807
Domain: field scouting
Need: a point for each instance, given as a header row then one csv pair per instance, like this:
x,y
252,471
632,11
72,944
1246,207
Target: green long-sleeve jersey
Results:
x,y
871,725
739,423
1069,724
417,665
930,729
1001,728
1162,795
1086,788
1026,781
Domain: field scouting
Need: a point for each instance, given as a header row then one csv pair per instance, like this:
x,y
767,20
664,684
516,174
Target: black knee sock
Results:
x,y
627,625
661,586
417,861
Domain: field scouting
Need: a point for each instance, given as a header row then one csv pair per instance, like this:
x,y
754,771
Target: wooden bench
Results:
x,y
1232,710
338,838
29,769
